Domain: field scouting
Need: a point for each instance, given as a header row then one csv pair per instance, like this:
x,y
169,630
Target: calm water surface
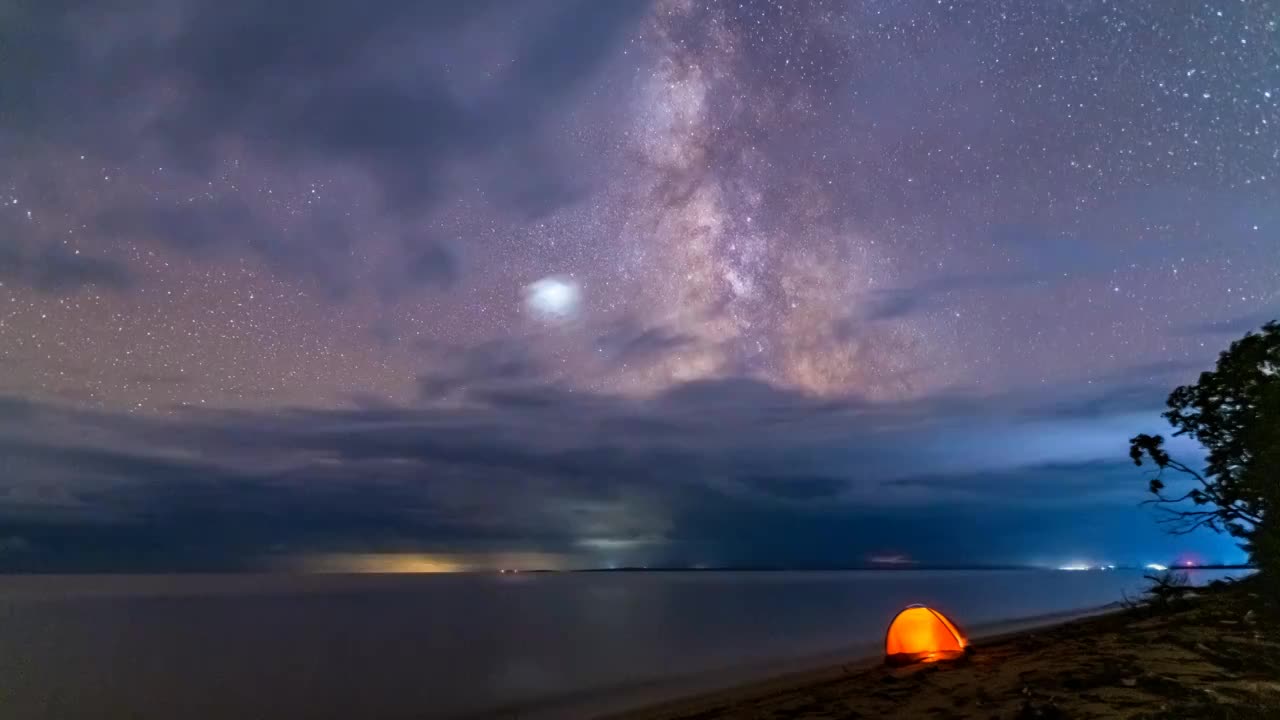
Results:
x,y
431,646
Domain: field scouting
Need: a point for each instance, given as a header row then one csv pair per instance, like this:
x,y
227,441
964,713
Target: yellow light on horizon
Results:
x,y
418,562
381,563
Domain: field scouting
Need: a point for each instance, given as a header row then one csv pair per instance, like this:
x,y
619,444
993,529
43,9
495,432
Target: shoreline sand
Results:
x,y
644,696
1206,657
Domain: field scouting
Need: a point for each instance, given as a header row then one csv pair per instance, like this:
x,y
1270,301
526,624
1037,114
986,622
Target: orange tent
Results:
x,y
921,634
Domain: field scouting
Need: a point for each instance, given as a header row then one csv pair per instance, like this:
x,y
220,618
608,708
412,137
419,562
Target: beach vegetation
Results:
x,y
1233,411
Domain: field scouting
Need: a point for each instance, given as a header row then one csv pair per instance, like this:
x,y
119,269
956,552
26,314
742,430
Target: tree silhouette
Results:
x,y
1234,412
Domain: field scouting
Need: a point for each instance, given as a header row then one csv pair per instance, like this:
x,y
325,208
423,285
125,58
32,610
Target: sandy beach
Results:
x,y
1214,655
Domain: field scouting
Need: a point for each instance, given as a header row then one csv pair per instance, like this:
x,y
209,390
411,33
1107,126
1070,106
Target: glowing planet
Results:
x,y
553,298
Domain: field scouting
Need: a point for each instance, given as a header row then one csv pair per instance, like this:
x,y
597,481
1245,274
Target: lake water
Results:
x,y
432,646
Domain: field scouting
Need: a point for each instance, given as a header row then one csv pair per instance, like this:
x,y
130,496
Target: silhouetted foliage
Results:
x,y
1165,588
1168,586
1234,412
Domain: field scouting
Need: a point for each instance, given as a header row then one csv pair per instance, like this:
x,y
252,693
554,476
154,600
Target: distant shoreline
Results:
x,y
623,570
885,567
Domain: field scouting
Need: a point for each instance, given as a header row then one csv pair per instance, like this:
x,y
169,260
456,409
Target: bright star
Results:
x,y
553,298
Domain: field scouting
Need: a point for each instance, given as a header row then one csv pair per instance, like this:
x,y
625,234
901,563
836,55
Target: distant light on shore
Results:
x,y
891,559
411,562
381,563
1156,566
1078,567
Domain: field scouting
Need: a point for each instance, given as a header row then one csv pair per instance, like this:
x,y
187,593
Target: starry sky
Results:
x,y
463,285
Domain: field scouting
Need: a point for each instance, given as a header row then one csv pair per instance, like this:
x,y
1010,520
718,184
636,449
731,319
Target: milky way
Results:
x,y
209,206
766,183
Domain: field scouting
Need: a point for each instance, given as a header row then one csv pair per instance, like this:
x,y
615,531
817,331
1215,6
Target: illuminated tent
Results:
x,y
921,634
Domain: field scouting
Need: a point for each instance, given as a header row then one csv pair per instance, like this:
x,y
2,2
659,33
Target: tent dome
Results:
x,y
922,634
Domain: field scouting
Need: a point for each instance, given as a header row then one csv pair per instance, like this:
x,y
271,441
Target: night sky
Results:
x,y
416,285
